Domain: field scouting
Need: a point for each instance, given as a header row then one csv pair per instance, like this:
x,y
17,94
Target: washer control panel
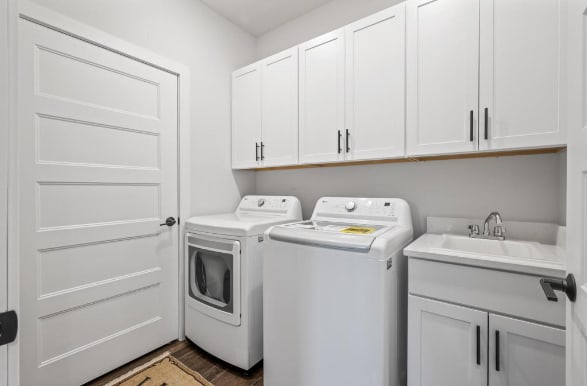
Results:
x,y
386,209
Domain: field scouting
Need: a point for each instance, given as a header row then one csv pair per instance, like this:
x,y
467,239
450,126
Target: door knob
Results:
x,y
170,221
567,285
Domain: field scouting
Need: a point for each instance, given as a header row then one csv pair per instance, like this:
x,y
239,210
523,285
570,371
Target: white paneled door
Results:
x,y
97,136
576,328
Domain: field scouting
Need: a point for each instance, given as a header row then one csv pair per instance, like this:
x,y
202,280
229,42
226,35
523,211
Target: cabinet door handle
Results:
x,y
471,124
348,146
478,345
486,123
497,367
256,151
262,151
339,137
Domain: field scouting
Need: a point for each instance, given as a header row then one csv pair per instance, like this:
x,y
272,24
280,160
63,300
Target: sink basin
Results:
x,y
505,248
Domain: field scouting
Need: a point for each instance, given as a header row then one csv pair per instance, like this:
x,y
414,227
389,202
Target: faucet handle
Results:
x,y
473,230
499,231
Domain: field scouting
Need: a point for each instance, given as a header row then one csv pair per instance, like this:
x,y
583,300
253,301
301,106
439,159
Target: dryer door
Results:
x,y
214,277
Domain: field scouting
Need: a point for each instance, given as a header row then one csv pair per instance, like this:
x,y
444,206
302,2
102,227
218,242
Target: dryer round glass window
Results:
x,y
211,278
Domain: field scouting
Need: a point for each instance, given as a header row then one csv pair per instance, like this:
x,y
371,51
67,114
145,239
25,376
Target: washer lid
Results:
x,y
337,235
235,224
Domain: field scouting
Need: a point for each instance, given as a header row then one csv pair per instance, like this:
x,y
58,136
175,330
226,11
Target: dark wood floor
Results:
x,y
213,369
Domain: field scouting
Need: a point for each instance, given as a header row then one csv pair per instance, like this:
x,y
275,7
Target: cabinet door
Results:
x,y
442,76
525,354
279,117
375,86
246,117
322,98
522,74
447,344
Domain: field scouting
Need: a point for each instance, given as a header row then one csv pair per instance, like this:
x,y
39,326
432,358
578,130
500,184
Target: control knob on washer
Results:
x,y
350,206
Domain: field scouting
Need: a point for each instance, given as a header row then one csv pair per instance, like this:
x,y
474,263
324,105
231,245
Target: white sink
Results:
x,y
506,248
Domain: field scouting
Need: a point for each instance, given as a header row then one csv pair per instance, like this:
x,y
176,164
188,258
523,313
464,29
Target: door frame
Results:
x,y
23,9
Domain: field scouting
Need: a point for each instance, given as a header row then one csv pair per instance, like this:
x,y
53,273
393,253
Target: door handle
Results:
x,y
471,125
262,151
566,285
478,345
497,349
339,137
486,123
348,146
170,221
256,151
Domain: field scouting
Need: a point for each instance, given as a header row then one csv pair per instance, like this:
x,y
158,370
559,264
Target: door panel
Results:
x,y
246,117
322,98
522,76
576,327
280,108
442,76
4,128
530,354
442,344
375,85
97,175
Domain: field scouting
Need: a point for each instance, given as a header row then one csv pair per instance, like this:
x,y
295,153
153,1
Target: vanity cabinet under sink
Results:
x,y
473,324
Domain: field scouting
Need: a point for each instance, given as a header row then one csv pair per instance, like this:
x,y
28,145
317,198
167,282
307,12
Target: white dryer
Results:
x,y
223,312
335,295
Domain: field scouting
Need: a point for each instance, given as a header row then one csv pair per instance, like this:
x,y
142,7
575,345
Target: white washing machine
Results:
x,y
335,295
223,312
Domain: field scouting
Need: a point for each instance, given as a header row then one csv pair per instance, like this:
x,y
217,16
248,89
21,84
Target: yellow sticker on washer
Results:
x,y
358,230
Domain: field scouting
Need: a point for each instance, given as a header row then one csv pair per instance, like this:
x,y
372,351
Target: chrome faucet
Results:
x,y
498,230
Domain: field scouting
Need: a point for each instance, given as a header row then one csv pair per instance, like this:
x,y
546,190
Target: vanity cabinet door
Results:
x,y
246,117
447,344
322,98
522,74
442,76
525,354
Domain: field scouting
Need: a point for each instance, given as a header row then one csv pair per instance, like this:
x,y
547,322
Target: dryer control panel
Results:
x,y
282,205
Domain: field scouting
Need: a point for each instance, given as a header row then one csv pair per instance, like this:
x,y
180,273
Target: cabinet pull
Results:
x,y
471,138
262,151
339,137
486,123
348,146
496,350
478,345
256,151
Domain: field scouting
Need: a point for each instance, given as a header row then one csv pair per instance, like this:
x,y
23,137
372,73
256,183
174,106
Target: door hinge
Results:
x,y
8,327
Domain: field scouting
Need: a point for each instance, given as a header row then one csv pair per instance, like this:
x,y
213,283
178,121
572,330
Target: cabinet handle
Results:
x,y
486,123
348,146
471,126
478,345
496,350
339,137
262,151
256,151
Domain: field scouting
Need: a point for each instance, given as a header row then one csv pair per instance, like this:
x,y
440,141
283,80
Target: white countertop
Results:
x,y
547,260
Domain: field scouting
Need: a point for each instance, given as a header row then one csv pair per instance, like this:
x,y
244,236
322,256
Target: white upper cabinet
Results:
x,y
522,74
321,102
246,117
442,76
279,117
375,86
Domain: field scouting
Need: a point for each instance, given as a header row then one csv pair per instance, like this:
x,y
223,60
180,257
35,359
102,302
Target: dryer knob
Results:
x,y
350,206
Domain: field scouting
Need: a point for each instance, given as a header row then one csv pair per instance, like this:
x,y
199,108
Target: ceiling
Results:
x,y
260,16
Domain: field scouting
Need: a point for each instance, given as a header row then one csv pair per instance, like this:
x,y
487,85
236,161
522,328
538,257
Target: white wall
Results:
x,y
189,32
328,17
519,187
